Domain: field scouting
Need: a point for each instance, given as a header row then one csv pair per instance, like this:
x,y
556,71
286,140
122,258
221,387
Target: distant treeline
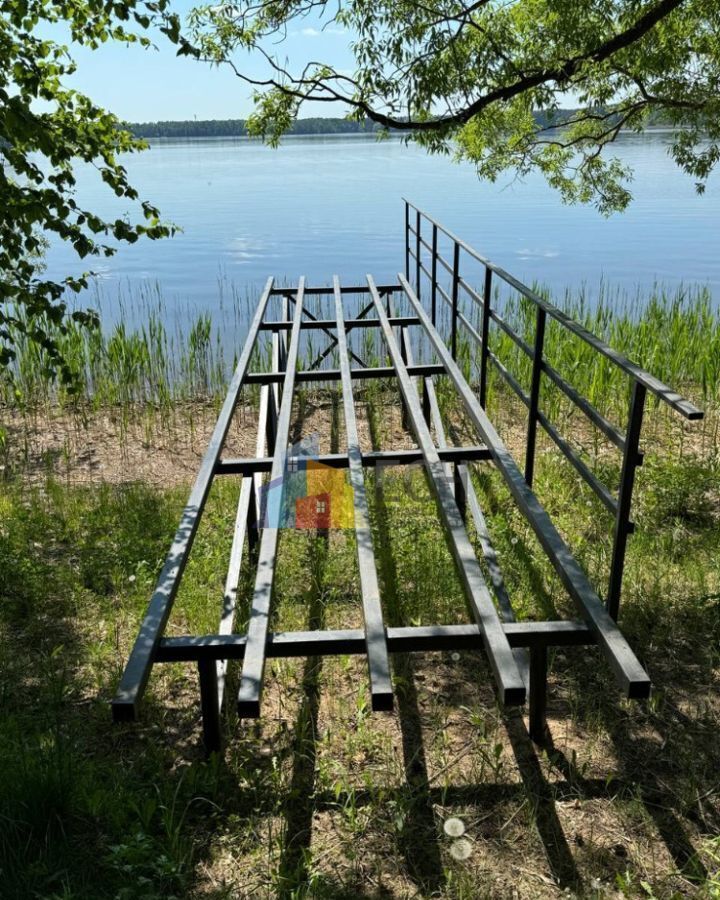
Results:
x,y
237,128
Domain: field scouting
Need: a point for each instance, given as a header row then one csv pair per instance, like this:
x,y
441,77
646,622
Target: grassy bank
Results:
x,y
323,798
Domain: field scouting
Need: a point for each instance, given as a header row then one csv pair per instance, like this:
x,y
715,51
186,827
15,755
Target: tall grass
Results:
x,y
151,354
673,334
144,353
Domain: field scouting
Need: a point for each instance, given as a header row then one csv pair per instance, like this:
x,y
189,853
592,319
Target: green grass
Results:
x,y
322,798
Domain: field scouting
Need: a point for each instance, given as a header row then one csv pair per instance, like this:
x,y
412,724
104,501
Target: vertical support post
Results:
x,y
207,670
418,248
252,518
485,334
433,278
538,694
623,526
455,287
426,409
459,483
283,336
534,396
407,240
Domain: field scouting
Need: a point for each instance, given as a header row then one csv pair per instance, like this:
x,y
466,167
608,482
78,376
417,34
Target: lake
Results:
x,y
319,206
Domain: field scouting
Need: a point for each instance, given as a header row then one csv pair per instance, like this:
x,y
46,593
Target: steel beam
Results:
x,y
351,641
251,681
630,674
137,670
381,693
249,464
509,682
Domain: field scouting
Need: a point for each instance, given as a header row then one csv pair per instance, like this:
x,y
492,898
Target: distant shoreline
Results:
x,y
236,129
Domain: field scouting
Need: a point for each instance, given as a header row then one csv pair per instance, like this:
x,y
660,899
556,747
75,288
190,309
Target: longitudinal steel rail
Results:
x,y
251,681
630,673
504,641
137,669
507,676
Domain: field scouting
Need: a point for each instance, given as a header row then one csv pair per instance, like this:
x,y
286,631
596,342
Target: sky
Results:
x,y
148,85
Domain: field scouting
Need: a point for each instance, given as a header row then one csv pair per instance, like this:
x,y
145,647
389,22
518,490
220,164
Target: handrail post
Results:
x,y
485,334
433,277
407,240
623,525
455,286
534,396
537,725
418,222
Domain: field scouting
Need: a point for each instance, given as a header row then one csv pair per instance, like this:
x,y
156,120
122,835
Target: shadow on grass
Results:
x,y
299,804
419,834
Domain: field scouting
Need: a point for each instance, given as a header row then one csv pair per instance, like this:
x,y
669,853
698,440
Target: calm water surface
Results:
x,y
333,205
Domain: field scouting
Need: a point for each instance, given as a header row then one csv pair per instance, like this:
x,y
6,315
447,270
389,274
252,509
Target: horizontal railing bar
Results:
x,y
334,374
441,259
589,477
449,269
600,490
653,384
461,316
318,291
329,324
509,378
351,641
250,464
511,333
596,417
471,291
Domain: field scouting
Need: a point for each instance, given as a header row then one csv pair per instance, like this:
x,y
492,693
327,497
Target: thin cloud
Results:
x,y
315,32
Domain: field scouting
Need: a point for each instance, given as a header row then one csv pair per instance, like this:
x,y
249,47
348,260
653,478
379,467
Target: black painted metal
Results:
x,y
628,671
251,682
455,286
378,663
333,343
248,465
509,682
534,397
334,374
433,275
137,670
623,525
407,240
687,409
417,251
628,444
505,641
537,719
210,705
351,641
485,339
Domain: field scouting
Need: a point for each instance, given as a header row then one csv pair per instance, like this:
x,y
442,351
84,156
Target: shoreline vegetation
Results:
x,y
674,333
322,799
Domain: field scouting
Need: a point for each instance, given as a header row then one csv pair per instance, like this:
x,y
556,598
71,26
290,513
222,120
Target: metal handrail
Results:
x,y
654,385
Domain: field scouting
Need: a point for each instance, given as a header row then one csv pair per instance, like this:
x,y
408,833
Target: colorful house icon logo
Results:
x,y
309,494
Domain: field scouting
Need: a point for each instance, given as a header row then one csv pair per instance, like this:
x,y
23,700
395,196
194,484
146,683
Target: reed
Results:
x,y
149,354
675,334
